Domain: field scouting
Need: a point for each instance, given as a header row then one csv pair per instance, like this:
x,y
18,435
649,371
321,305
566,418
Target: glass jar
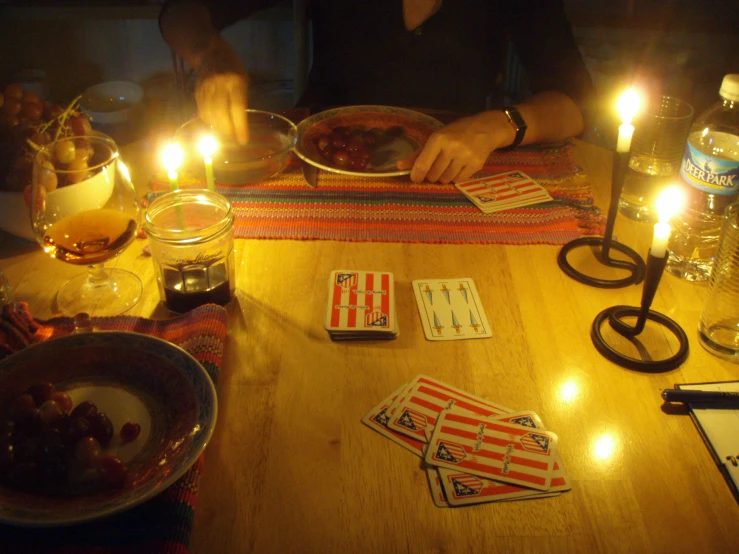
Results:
x,y
191,240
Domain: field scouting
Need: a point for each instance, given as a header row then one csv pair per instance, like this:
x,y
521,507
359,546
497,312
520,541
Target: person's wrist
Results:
x,y
498,128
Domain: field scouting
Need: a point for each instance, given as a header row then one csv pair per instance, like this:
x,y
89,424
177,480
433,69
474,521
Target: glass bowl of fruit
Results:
x,y
272,138
92,424
27,124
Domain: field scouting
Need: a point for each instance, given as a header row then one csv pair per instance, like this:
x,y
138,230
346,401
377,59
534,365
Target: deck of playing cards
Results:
x,y
451,309
474,450
361,306
505,191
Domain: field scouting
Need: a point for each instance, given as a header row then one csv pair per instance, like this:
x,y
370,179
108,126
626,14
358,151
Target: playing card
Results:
x,y
461,489
437,491
377,419
504,191
450,309
495,450
427,398
361,305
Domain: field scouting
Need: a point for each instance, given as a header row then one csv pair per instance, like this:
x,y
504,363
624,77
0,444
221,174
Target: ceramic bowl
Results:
x,y
272,138
111,102
131,377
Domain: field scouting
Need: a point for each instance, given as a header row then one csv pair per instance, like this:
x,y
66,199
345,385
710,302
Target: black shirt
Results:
x,y
363,54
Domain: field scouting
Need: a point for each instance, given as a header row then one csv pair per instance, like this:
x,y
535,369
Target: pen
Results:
x,y
676,395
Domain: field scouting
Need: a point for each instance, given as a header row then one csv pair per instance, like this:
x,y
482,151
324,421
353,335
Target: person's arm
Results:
x,y
558,78
192,31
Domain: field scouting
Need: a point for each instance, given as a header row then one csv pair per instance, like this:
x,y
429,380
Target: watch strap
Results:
x,y
517,122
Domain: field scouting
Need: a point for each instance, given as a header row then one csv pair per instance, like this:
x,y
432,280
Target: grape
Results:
x,y
112,470
338,141
80,126
41,392
130,431
101,428
64,400
32,111
65,151
47,176
50,412
12,107
2,99
78,165
30,97
23,407
14,91
87,451
77,428
340,158
85,409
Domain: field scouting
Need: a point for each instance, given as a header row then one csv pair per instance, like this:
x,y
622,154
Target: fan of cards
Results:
x,y
474,450
361,306
505,191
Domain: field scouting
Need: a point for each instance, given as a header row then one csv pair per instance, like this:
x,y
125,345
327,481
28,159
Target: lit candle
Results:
x,y
628,105
208,147
668,204
172,158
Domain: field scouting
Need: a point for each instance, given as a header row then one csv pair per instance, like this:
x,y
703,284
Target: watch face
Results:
x,y
515,117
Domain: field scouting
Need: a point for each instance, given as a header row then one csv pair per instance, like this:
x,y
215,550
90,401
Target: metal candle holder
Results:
x,y
654,269
637,268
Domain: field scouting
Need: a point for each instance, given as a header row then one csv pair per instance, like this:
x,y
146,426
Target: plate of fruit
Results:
x,y
93,424
364,141
28,123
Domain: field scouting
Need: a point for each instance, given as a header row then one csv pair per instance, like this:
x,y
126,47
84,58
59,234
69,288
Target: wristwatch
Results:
x,y
518,123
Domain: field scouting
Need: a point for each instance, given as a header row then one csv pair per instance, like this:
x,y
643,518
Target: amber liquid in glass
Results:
x,y
89,237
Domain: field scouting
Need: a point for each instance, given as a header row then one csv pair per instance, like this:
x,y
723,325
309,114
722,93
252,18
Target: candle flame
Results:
x,y
208,146
669,203
628,104
172,157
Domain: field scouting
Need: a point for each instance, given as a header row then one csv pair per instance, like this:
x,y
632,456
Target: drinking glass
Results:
x,y
660,134
85,211
718,329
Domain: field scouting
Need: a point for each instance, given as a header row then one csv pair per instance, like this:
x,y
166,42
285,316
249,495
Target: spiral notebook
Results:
x,y
719,427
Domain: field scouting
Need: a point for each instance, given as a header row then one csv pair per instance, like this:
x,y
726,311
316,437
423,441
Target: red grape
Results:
x,y
130,431
87,451
340,158
32,111
85,409
14,91
112,470
80,126
41,392
64,400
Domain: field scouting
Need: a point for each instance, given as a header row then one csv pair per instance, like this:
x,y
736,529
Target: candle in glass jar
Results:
x,y
668,204
207,147
628,105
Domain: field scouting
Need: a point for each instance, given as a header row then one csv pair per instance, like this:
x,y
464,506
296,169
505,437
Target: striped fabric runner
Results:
x,y
396,210
164,523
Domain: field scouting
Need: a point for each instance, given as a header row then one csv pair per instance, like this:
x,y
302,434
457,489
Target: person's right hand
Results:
x,y
221,92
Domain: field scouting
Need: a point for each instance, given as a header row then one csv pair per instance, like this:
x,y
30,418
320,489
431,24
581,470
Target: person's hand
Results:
x,y
459,150
221,92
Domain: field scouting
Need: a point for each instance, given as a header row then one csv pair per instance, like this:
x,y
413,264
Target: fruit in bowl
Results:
x,y
23,132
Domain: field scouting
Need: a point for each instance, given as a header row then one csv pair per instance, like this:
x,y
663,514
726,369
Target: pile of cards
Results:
x,y
361,306
474,450
504,191
450,309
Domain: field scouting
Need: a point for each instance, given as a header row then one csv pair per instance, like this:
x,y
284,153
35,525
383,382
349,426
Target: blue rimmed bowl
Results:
x,y
131,377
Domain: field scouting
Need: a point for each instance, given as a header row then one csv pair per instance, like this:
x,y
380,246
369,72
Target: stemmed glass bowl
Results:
x,y
85,211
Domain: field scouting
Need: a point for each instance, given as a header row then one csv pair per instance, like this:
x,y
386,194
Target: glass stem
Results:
x,y
96,274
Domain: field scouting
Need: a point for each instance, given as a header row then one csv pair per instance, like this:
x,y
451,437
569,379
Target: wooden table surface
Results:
x,y
292,469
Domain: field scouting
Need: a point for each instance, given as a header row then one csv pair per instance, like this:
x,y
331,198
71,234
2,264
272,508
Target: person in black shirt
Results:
x,y
434,54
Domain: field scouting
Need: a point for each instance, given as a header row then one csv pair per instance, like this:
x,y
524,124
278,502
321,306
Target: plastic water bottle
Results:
x,y
709,177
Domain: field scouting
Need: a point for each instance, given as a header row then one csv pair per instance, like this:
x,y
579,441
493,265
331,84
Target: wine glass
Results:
x,y
85,211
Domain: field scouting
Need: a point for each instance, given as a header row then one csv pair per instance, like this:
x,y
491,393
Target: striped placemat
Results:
x,y
395,210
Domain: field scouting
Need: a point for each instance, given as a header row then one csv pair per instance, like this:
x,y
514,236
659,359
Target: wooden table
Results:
x,y
291,468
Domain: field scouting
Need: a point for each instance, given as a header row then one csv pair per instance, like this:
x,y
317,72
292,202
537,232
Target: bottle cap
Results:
x,y
730,87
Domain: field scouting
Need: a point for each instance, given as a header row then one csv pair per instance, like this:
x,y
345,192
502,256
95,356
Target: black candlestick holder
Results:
x,y
615,314
606,243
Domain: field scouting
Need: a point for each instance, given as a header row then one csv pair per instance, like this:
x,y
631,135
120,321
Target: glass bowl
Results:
x,y
272,138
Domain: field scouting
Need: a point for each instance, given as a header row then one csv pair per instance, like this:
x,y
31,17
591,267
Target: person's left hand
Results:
x,y
459,150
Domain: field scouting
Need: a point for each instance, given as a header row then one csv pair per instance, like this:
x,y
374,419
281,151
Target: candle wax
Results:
x,y
172,175
209,178
659,241
625,132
